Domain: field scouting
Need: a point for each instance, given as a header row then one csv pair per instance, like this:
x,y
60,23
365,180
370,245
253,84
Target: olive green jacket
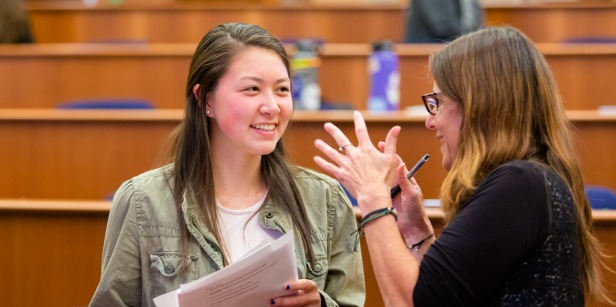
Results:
x,y
142,250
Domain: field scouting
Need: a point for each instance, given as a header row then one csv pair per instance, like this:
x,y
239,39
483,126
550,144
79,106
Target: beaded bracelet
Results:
x,y
371,216
418,244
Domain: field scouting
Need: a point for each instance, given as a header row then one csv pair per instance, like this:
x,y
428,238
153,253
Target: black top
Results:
x,y
514,243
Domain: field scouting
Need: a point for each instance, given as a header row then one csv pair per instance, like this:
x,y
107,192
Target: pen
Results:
x,y
395,190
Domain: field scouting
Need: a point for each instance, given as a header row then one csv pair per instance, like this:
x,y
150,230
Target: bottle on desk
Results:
x,y
93,3
305,65
384,77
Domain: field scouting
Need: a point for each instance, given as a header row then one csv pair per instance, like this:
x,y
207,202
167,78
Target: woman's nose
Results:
x,y
430,122
270,104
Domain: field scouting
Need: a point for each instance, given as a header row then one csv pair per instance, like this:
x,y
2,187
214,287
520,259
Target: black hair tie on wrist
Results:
x,y
418,244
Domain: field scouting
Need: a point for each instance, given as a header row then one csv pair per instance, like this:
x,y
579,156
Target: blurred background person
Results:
x,y
438,21
14,23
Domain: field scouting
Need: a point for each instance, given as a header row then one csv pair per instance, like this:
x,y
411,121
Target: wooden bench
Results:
x,y
181,22
76,154
53,248
45,75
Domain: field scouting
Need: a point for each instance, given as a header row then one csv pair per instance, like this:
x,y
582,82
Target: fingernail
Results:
x,y
272,302
287,287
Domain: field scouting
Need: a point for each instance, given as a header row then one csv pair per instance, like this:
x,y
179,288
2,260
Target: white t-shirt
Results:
x,y
240,232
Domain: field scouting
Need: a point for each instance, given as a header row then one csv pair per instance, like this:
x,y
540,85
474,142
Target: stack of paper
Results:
x,y
251,281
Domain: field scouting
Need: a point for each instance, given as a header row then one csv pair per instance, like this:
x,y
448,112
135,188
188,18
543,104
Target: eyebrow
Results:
x,y
259,80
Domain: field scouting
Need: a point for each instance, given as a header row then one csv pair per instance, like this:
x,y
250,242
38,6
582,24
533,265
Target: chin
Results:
x,y
446,164
263,151
447,167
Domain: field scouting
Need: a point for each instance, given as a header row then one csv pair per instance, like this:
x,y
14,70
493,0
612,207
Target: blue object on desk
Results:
x,y
112,103
351,198
601,197
591,40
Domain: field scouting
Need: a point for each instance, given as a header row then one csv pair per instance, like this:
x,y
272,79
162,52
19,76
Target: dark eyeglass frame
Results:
x,y
428,103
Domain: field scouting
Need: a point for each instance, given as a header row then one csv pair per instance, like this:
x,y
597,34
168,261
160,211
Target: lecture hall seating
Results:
x,y
66,72
54,250
54,247
86,154
69,21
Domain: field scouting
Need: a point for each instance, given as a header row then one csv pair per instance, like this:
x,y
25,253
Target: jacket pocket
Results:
x,y
169,271
317,272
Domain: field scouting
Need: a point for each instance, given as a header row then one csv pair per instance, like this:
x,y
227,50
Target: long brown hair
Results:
x,y
512,111
193,177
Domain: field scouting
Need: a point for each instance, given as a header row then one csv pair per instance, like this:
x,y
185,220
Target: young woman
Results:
x,y
230,188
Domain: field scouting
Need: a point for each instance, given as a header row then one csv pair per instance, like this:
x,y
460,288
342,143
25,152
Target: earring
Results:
x,y
207,112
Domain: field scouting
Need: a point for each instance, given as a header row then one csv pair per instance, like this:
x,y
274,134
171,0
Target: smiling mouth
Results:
x,y
264,127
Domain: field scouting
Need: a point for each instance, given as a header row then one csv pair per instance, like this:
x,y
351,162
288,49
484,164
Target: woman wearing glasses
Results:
x,y
518,222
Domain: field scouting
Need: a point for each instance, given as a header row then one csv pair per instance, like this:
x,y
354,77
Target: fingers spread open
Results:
x,y
337,134
391,140
361,131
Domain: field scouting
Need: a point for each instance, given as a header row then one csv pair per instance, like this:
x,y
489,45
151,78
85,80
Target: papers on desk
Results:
x,y
607,110
250,281
432,203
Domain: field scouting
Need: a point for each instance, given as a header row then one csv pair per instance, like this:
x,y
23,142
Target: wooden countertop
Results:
x,y
156,5
298,116
129,49
103,206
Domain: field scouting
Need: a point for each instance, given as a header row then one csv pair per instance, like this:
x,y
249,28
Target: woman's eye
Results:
x,y
284,89
252,89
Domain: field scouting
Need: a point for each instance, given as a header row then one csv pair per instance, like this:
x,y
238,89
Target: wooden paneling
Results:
x,y
160,22
43,76
75,158
557,22
604,228
188,22
53,248
87,154
52,255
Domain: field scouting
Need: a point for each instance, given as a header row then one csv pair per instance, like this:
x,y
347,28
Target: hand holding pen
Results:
x,y
395,190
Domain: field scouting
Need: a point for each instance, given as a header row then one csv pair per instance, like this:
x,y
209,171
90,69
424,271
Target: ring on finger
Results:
x,y
341,148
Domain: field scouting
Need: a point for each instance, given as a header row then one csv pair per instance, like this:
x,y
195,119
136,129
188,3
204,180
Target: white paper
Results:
x,y
250,281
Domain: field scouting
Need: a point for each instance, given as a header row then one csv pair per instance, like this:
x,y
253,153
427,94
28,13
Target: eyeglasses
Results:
x,y
431,102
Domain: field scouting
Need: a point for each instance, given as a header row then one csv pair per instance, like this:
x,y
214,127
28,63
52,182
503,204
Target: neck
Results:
x,y
238,181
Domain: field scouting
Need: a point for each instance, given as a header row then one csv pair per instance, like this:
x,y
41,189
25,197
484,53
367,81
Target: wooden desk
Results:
x,y
78,155
557,22
188,22
87,154
158,73
55,247
52,251
61,21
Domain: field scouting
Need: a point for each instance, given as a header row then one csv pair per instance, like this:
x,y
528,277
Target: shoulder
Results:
x,y
516,186
152,181
518,173
313,182
154,177
318,189
522,166
148,192
311,177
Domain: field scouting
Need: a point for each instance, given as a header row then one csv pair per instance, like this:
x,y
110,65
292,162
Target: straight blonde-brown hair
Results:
x,y
512,110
